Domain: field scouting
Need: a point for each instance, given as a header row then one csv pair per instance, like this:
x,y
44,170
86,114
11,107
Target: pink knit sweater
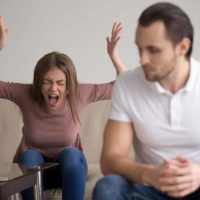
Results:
x,y
50,132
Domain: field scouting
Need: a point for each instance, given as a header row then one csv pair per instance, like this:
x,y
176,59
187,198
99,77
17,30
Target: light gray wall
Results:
x,y
77,28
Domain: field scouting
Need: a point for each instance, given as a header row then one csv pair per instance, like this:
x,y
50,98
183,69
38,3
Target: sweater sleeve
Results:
x,y
13,91
95,92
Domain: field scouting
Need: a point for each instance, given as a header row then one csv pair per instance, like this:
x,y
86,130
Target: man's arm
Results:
x,y
177,177
118,140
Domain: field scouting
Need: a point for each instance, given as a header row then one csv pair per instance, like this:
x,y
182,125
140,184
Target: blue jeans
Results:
x,y
70,175
116,187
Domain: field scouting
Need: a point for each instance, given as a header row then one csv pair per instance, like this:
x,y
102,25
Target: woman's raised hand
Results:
x,y
3,33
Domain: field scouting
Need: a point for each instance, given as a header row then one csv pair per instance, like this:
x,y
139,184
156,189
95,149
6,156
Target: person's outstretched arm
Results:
x,y
112,48
3,33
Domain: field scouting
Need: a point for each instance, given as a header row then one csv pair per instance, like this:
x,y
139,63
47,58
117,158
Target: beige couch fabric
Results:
x,y
93,121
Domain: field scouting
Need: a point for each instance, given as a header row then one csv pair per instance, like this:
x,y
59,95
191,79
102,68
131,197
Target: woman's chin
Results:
x,y
53,107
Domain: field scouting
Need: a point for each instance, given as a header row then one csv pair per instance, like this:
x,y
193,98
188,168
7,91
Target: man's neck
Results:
x,y
178,78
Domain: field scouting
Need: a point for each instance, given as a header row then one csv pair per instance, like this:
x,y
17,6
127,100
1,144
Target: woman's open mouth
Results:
x,y
53,99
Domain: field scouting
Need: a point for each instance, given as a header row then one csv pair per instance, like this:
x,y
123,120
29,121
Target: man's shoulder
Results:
x,y
195,63
132,74
131,80
195,68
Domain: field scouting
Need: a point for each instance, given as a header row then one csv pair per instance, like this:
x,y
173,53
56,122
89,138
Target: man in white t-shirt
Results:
x,y
157,108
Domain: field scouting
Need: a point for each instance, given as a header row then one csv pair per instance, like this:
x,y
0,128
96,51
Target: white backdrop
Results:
x,y
77,28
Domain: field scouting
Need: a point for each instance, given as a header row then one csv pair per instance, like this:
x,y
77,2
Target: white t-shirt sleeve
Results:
x,y
119,106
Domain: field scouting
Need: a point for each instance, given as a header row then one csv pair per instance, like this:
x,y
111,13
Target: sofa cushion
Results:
x,y
93,121
10,130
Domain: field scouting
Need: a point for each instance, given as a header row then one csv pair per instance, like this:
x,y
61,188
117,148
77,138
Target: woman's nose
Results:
x,y
53,86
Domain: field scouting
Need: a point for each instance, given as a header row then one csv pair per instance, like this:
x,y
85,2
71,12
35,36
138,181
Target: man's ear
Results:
x,y
184,46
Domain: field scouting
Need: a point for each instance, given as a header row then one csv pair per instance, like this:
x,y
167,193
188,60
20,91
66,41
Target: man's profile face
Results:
x,y
158,55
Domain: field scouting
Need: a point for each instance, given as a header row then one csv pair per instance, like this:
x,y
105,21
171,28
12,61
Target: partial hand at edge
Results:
x,y
3,33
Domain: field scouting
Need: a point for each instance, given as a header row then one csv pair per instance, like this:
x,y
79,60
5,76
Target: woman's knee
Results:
x,y
73,162
30,158
70,154
72,157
